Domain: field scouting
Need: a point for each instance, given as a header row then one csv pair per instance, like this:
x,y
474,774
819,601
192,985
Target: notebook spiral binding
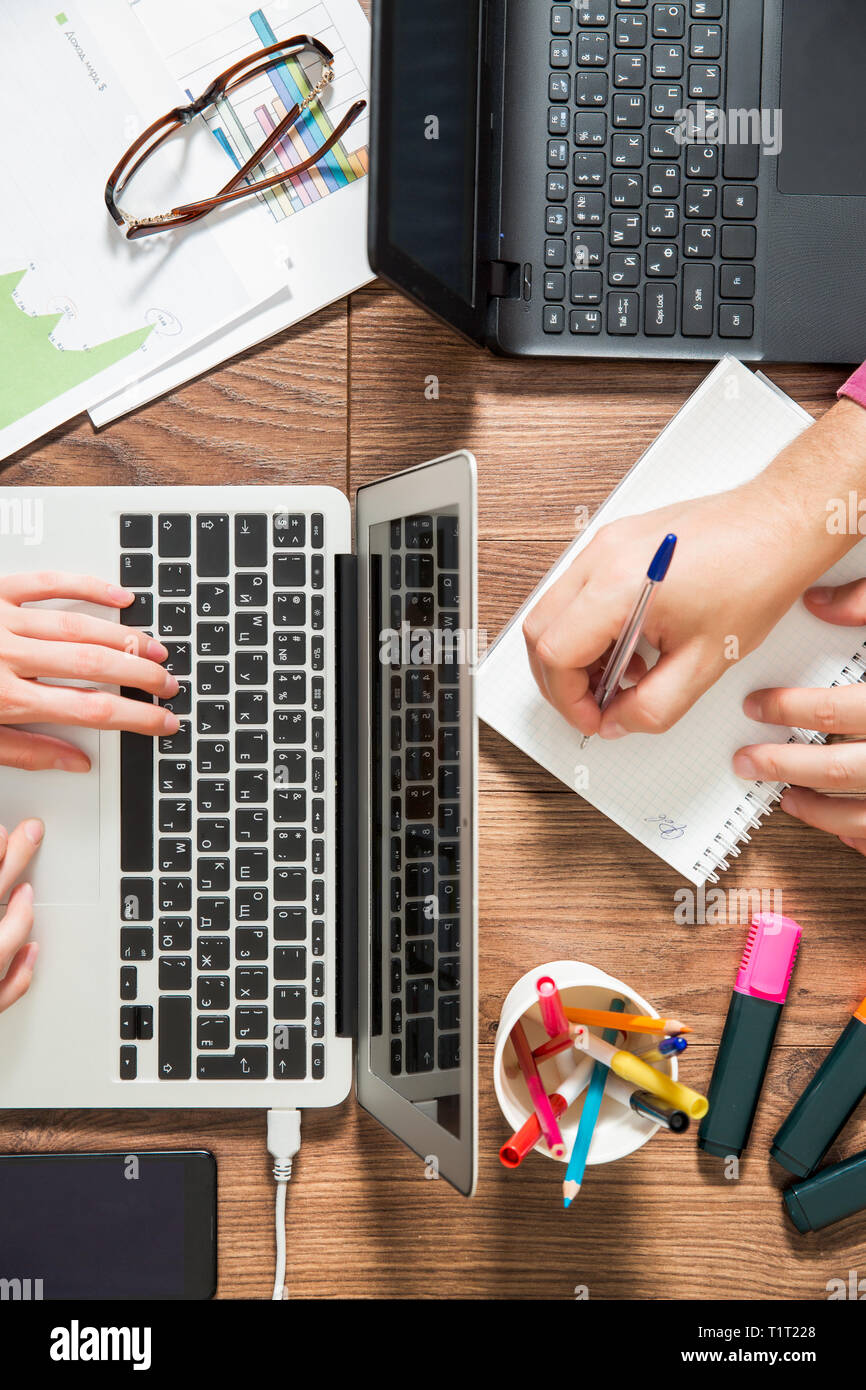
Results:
x,y
762,796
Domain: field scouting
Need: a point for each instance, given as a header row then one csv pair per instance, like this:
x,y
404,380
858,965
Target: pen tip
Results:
x,y
584,741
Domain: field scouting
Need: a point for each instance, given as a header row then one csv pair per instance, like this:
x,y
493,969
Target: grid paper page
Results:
x,y
676,792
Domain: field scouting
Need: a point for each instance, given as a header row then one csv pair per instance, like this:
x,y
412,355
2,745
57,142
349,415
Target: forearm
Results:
x,y
814,488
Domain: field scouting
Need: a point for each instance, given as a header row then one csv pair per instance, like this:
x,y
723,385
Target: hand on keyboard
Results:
x,y
17,955
743,558
42,644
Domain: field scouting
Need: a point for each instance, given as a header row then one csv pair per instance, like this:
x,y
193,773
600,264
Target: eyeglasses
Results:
x,y
234,77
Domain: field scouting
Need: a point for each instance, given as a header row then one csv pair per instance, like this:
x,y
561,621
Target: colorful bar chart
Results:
x,y
289,85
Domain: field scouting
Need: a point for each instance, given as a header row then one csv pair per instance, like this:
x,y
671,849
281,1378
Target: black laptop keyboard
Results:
x,y
223,825
644,234
421,963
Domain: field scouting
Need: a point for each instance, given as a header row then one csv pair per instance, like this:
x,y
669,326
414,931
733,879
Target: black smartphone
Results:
x,y
108,1225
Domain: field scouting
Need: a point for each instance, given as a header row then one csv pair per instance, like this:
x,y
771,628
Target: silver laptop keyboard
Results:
x,y
223,825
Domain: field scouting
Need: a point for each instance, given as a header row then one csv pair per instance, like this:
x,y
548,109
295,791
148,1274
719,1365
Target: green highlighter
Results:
x,y
760,990
828,1196
827,1103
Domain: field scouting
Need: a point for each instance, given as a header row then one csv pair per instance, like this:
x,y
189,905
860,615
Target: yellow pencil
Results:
x,y
641,1074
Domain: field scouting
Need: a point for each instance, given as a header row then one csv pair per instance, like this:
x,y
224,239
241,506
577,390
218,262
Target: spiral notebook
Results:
x,y
676,792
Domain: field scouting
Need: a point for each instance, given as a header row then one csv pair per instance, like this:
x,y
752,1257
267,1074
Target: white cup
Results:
x,y
618,1131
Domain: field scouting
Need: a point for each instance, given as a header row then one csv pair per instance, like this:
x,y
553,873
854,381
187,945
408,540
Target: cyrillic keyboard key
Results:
x,y
737,282
136,532
739,243
246,1064
213,1032
290,531
290,1053
174,537
251,1024
175,1038
139,613
419,1045
698,304
660,310
745,40
736,321
136,796
212,546
251,541
136,899
623,317
136,571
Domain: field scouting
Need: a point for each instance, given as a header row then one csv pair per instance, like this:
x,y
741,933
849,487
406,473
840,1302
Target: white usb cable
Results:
x,y
284,1140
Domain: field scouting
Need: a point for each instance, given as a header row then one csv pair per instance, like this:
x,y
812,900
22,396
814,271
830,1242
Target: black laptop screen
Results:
x,y
431,138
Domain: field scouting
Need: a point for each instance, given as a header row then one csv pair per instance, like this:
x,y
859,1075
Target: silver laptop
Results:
x,y
221,912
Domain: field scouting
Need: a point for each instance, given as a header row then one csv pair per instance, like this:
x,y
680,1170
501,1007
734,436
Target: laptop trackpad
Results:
x,y
66,867
823,62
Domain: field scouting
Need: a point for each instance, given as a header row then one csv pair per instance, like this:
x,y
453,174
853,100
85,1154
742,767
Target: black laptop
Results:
x,y
619,178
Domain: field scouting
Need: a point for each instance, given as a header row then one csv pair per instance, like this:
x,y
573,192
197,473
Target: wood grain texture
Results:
x,y
341,400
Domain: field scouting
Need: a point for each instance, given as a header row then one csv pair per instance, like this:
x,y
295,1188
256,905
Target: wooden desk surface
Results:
x,y
341,400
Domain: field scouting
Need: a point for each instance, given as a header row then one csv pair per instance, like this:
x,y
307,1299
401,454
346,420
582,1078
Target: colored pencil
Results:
x,y
627,1023
588,1119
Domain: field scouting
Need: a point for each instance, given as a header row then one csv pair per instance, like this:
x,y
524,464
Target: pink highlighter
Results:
x,y
760,990
540,1102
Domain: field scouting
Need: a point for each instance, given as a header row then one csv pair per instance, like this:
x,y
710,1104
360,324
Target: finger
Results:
x,y
89,709
48,584
566,652
91,663
841,710
40,753
662,697
556,599
844,604
569,693
636,669
581,633
21,846
63,626
838,815
859,845
16,925
18,976
841,767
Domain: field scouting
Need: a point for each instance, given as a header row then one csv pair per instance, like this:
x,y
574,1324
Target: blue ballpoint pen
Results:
x,y
630,635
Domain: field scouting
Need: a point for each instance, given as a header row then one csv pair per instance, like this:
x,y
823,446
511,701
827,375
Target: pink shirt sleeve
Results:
x,y
855,387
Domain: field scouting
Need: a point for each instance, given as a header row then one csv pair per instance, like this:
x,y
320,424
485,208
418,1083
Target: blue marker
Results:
x,y
624,650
